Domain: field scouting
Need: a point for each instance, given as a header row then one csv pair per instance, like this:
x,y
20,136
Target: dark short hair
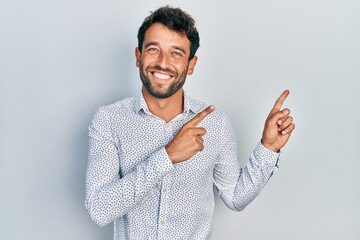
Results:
x,y
174,19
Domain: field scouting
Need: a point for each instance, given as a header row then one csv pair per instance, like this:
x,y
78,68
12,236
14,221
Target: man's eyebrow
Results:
x,y
151,44
180,49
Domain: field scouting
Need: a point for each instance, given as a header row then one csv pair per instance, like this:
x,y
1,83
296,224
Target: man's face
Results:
x,y
164,61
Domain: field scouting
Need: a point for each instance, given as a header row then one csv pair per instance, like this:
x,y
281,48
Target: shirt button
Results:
x,y
162,222
165,189
167,125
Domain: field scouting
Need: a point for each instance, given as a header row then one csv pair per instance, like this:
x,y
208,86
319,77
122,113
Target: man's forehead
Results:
x,y
160,34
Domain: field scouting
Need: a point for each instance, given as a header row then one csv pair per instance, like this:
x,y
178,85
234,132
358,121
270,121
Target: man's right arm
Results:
x,y
109,196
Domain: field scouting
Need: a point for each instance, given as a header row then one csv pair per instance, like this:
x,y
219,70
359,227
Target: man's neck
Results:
x,y
165,108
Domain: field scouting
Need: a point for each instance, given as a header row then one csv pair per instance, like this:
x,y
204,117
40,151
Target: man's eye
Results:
x,y
177,54
152,50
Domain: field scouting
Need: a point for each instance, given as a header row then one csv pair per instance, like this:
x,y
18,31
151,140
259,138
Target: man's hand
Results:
x,y
188,140
278,126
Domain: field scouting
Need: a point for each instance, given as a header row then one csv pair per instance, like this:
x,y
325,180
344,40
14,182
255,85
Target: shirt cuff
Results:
x,y
266,155
161,162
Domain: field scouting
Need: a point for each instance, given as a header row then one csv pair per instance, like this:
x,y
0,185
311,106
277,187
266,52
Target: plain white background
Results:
x,y
61,60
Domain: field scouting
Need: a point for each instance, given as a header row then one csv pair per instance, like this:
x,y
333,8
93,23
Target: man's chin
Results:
x,y
161,94
161,91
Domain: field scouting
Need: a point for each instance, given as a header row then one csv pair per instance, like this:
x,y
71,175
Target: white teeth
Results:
x,y
162,76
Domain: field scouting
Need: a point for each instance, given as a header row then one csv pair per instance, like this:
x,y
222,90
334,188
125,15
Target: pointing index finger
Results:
x,y
200,116
279,102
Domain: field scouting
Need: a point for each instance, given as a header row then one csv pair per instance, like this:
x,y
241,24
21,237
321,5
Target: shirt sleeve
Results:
x,y
239,186
109,196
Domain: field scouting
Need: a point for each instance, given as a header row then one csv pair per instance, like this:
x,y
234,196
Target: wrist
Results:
x,y
169,153
270,147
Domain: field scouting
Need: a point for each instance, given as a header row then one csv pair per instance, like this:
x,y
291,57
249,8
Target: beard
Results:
x,y
157,90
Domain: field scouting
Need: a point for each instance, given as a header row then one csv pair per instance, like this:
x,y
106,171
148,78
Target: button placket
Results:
x,y
168,130
164,202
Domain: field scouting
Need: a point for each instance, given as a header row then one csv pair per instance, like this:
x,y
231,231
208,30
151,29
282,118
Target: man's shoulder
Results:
x,y
122,107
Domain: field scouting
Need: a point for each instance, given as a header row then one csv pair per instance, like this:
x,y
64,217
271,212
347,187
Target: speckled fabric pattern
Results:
x,y
130,179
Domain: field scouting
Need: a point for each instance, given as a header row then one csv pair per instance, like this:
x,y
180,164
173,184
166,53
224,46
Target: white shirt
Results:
x,y
132,182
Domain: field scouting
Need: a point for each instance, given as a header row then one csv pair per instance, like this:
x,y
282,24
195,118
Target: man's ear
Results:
x,y
138,56
192,64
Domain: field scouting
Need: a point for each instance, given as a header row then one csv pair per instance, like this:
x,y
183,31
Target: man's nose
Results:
x,y
163,60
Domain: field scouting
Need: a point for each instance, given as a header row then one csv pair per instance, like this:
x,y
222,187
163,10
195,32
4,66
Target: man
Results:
x,y
153,159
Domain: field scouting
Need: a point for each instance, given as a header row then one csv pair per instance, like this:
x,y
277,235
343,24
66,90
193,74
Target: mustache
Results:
x,y
160,69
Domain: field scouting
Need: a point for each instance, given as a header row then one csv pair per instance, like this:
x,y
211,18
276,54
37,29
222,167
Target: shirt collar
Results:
x,y
190,104
140,104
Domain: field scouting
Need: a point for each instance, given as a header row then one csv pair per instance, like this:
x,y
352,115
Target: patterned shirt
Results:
x,y
132,182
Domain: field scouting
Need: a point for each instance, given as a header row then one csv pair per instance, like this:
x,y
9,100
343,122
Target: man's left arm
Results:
x,y
239,186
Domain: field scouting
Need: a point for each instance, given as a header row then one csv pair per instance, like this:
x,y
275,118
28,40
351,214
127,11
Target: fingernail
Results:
x,y
212,107
285,111
279,122
283,132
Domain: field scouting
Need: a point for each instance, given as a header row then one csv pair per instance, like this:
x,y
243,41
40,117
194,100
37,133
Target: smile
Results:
x,y
161,76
